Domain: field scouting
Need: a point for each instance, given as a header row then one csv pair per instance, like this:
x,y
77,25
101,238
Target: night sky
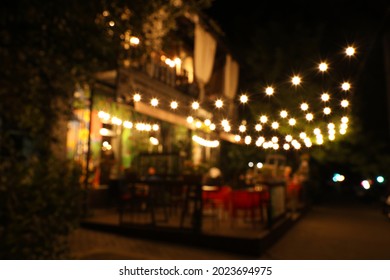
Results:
x,y
336,23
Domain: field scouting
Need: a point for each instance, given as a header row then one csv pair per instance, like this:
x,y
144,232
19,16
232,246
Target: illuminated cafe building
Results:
x,y
161,109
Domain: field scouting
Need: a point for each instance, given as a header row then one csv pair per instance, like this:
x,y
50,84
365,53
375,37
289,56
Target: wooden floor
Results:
x,y
215,222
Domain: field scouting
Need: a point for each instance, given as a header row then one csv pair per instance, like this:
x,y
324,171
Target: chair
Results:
x,y
192,208
217,201
246,204
135,199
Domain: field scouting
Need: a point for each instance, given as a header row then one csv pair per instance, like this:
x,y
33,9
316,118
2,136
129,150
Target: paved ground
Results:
x,y
88,244
348,230
344,230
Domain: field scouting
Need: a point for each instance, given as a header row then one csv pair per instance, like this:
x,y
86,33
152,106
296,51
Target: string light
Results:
x,y
344,103
243,98
174,105
195,105
116,121
296,80
225,122
204,142
154,102
292,122
304,106
317,131
128,124
309,117
244,128
350,51
325,97
258,127
327,110
346,86
269,91
219,103
247,139
134,41
283,114
137,97
323,66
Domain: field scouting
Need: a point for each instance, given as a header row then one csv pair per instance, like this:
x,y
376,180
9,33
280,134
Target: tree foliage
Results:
x,y
47,50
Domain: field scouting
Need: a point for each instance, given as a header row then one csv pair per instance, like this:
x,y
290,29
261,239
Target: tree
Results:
x,y
49,49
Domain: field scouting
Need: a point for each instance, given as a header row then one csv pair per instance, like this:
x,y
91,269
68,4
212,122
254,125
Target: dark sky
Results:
x,y
341,18
337,23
